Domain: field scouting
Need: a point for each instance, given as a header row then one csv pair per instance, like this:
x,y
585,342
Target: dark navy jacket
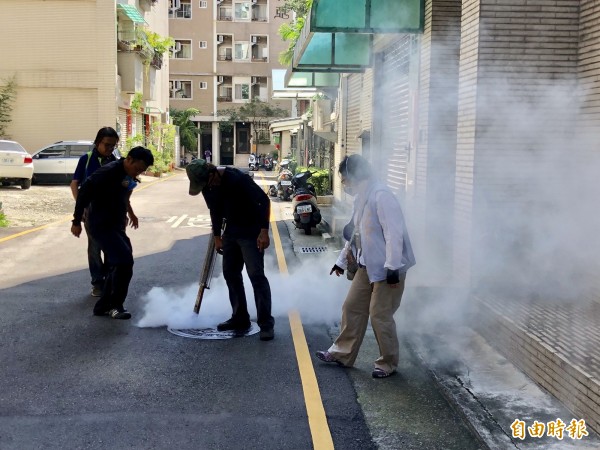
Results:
x,y
106,192
241,202
85,167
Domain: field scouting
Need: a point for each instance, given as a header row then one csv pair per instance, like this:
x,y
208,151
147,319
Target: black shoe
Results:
x,y
267,334
119,313
234,325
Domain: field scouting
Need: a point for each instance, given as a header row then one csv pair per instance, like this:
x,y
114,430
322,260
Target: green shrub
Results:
x,y
319,179
3,221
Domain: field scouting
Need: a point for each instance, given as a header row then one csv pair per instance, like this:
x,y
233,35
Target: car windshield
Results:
x,y
12,146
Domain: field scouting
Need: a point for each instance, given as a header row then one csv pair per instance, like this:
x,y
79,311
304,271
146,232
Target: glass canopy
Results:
x,y
338,35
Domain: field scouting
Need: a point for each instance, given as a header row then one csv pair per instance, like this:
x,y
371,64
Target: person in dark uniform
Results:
x,y
233,196
106,194
102,153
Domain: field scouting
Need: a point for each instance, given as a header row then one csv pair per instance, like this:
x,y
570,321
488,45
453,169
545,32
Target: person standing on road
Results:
x,y
106,194
103,153
235,199
378,246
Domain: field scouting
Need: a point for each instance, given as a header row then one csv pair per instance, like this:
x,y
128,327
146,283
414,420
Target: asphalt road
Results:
x,y
74,381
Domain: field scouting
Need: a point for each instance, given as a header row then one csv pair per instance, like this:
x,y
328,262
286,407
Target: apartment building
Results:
x,y
78,67
223,57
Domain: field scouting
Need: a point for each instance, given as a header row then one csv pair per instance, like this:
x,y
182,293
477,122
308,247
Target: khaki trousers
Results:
x,y
380,302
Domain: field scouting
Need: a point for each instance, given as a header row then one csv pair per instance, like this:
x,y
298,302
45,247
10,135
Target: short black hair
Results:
x,y
355,168
105,132
143,154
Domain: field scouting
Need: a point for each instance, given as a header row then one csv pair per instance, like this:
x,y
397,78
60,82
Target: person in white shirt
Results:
x,y
378,246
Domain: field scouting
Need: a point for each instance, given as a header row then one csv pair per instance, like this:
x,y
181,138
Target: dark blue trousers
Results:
x,y
236,253
119,258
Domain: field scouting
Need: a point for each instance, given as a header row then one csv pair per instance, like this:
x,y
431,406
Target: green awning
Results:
x,y
311,79
368,16
338,35
131,12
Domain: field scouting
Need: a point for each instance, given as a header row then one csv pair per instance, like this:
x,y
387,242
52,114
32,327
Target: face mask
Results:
x,y
350,190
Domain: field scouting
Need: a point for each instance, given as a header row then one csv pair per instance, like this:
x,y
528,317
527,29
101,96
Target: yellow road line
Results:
x,y
32,230
66,218
317,419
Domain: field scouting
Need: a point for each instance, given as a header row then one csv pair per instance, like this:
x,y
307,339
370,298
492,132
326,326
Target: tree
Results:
x,y
8,92
291,31
188,131
257,112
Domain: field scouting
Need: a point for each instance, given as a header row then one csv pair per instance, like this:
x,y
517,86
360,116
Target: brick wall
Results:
x,y
513,144
548,366
465,147
436,141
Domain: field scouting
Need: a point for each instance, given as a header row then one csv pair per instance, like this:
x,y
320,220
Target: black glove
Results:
x,y
393,276
336,268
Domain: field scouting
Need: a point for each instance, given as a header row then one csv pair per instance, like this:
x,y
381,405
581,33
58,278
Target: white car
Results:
x,y
57,162
16,165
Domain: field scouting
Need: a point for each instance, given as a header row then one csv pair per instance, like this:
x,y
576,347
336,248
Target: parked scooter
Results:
x,y
304,204
283,189
252,162
268,163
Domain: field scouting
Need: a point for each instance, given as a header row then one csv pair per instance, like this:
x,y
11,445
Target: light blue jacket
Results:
x,y
385,243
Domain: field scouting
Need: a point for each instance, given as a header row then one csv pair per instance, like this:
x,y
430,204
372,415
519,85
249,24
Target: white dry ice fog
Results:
x,y
309,290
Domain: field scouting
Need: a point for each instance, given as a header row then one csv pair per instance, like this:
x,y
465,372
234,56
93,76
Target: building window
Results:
x,y
180,9
203,44
224,13
182,49
242,92
243,11
180,89
203,4
224,94
242,51
203,85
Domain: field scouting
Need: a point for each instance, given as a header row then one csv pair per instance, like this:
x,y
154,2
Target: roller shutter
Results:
x,y
392,110
353,124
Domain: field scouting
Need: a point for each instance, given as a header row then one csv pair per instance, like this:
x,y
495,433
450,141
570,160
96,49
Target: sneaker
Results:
x,y
101,311
96,291
234,325
327,357
267,334
119,313
380,373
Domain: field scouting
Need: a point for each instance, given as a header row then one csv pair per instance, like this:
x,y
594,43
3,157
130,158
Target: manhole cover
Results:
x,y
320,249
212,333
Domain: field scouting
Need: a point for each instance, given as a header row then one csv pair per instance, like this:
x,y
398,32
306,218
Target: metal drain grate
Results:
x,y
320,249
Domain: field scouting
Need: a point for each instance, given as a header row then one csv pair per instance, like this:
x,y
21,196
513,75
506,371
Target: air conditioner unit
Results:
x,y
219,79
177,47
254,39
220,38
255,80
175,4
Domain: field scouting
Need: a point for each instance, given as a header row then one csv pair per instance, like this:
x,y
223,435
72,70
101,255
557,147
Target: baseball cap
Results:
x,y
197,172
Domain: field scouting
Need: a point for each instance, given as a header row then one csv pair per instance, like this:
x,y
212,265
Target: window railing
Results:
x,y
224,17
259,59
224,57
224,99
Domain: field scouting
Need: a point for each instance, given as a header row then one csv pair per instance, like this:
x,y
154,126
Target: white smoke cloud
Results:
x,y
309,290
